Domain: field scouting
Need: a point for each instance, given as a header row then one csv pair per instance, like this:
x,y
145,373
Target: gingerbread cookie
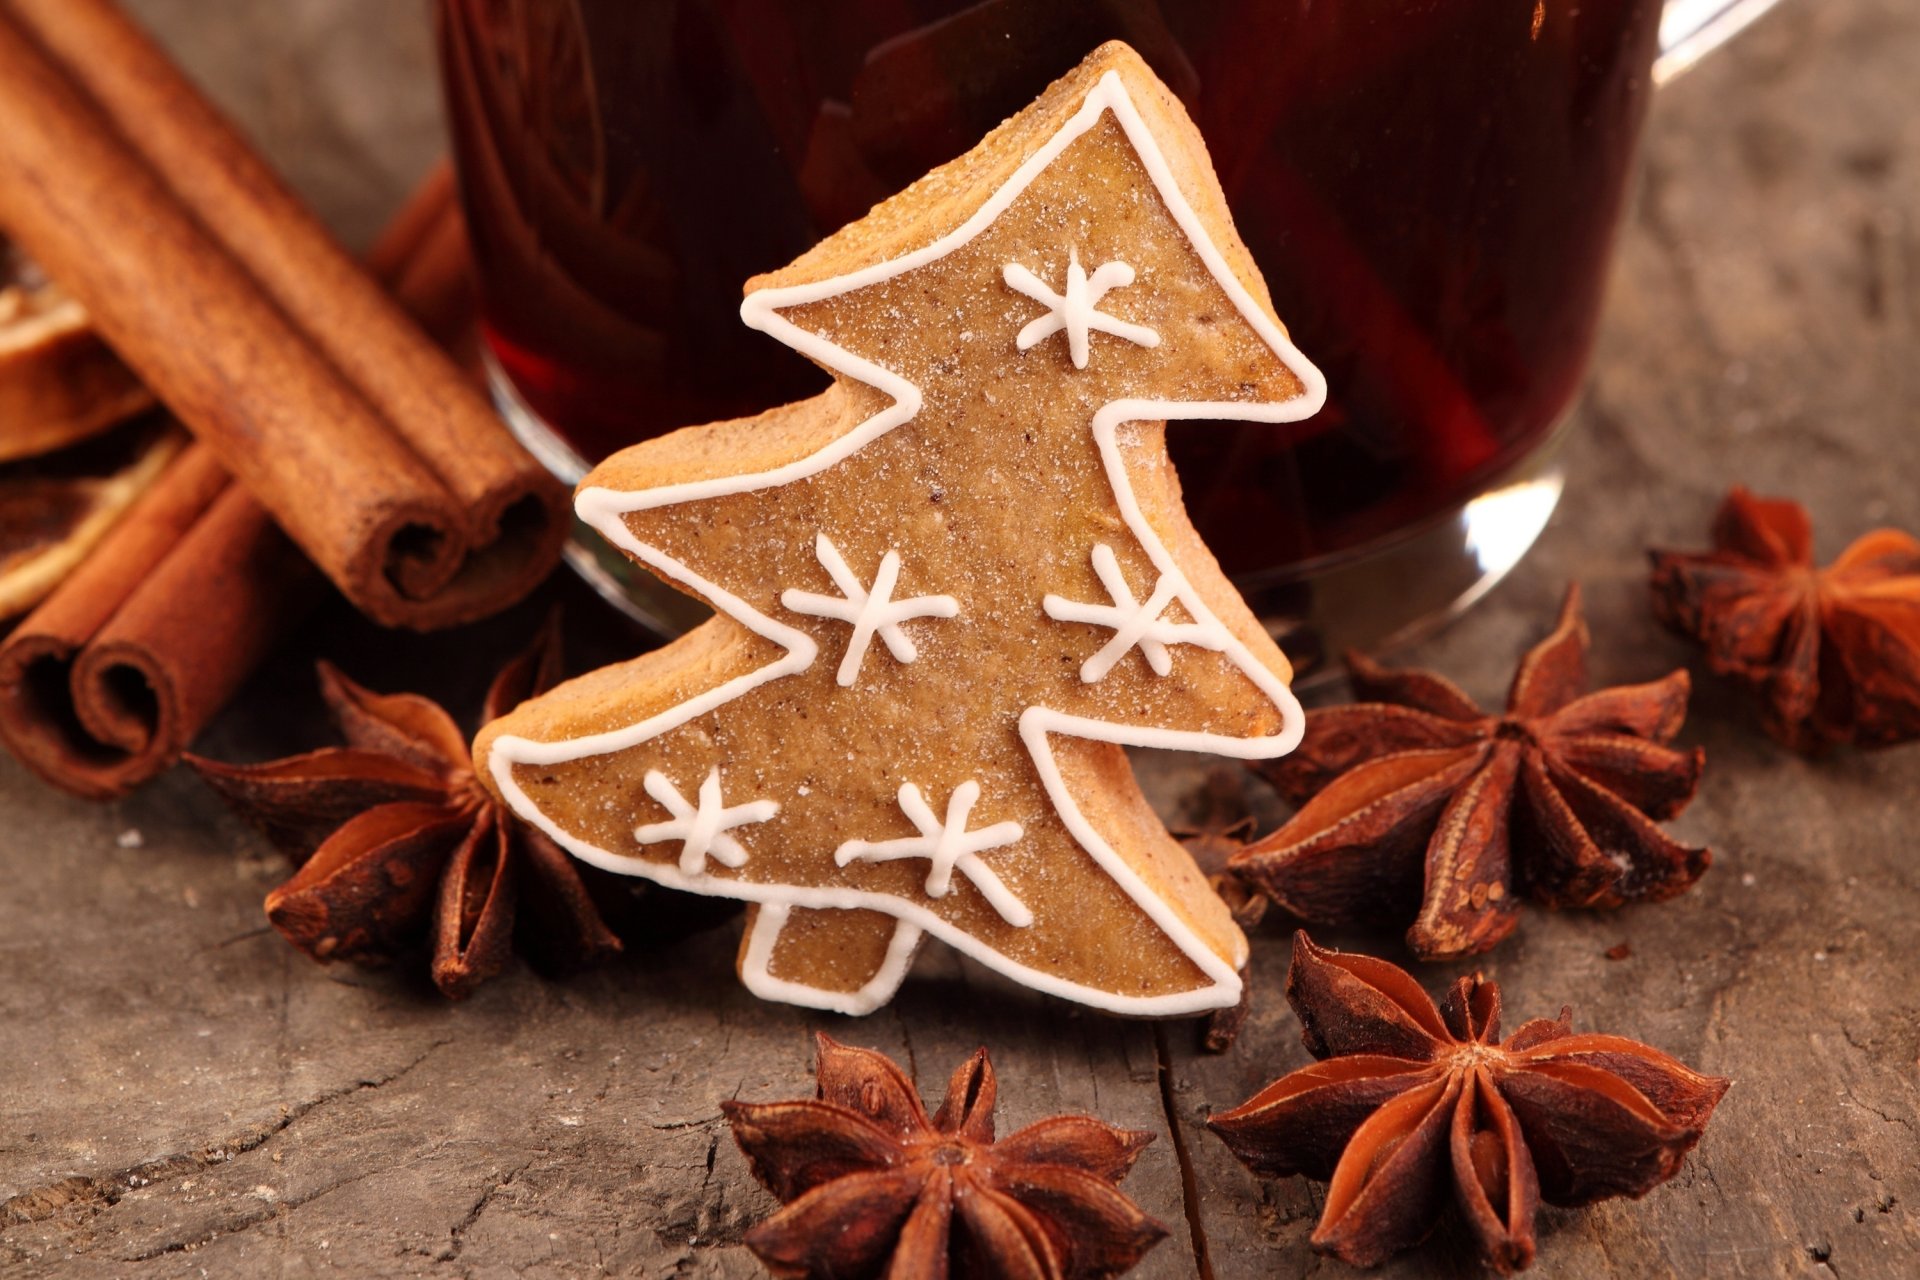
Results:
x,y
953,587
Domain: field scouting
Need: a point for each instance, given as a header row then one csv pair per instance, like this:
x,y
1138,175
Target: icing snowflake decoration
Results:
x,y
703,825
948,847
1134,623
1077,310
872,613
1018,703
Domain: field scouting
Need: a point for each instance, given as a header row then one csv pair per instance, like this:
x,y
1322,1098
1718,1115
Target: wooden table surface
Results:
x,y
183,1095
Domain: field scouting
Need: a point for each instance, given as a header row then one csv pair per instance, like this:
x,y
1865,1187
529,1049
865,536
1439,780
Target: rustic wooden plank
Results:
x,y
359,1110
1762,327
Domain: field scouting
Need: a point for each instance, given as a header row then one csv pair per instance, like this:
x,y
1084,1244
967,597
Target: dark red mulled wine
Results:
x,y
1430,186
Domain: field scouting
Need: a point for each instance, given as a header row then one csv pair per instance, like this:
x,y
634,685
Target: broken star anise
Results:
x,y
395,839
1411,1101
1417,804
1833,653
1219,822
873,1187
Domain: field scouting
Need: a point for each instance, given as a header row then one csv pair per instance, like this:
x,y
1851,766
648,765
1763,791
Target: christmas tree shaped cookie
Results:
x,y
949,589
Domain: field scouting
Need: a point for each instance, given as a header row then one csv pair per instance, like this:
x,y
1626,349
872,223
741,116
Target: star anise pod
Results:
x,y
1218,821
1417,804
1833,653
1411,1101
395,839
1219,824
873,1187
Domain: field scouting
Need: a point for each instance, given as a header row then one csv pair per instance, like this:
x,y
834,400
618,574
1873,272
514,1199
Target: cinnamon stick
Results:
x,y
425,261
104,685
113,676
419,221
421,259
240,199
369,448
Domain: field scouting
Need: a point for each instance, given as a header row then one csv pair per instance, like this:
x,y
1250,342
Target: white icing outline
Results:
x,y
604,508
702,826
872,612
870,995
948,847
1077,310
1135,623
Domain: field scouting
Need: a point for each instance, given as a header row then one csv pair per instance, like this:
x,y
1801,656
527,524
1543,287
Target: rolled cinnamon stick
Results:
x,y
367,446
106,683
246,206
419,221
421,260
425,261
234,576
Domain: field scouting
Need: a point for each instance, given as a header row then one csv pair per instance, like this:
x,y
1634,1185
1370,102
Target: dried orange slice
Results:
x,y
68,468
59,383
55,509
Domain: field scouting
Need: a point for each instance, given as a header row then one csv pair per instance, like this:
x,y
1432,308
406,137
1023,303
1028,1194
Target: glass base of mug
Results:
x,y
617,580
1377,598
1398,590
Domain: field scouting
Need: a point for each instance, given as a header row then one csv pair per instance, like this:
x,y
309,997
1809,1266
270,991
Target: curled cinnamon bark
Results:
x,y
106,683
423,259
59,384
368,446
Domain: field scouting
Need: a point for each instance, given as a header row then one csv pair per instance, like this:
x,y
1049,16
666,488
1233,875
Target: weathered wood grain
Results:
x,y
181,1095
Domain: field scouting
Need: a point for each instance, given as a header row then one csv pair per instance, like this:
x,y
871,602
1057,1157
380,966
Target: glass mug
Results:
x,y
1431,188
